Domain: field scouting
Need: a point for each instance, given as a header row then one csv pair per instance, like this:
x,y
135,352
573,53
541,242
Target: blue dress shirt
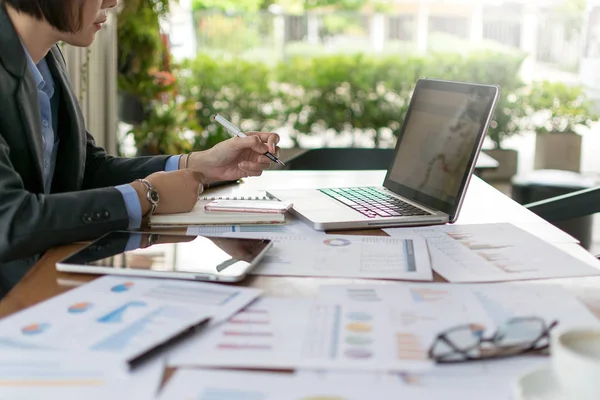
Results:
x,y
48,103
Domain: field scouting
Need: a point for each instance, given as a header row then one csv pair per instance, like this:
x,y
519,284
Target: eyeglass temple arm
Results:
x,y
544,334
443,338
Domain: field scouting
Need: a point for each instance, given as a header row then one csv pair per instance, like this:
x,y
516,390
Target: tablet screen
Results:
x,y
150,252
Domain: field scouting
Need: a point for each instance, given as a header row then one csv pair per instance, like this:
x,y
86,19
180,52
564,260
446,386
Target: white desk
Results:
x,y
483,204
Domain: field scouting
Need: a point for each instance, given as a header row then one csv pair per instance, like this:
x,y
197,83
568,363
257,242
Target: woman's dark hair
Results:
x,y
63,15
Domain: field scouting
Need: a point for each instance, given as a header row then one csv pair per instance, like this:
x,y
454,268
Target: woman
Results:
x,y
56,185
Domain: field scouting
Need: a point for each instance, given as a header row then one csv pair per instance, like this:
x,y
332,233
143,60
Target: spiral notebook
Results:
x,y
199,216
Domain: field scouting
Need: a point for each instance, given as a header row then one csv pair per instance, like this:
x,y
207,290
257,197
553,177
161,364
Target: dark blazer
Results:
x,y
83,203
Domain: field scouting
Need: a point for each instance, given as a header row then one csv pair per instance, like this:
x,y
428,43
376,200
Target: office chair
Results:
x,y
352,158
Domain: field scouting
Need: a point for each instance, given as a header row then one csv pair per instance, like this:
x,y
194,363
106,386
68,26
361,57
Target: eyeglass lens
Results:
x,y
520,332
458,342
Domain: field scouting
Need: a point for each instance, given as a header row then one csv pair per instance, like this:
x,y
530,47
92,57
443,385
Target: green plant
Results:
x,y
371,94
559,108
495,68
169,128
235,88
509,118
146,76
141,48
346,93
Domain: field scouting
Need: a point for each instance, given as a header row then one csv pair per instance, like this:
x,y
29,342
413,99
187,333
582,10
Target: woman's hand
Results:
x,y
178,191
236,158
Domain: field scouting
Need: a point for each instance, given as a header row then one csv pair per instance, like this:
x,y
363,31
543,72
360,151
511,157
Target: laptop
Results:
x,y
436,152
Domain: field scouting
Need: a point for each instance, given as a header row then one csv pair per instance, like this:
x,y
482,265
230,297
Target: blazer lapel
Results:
x,y
30,118
70,162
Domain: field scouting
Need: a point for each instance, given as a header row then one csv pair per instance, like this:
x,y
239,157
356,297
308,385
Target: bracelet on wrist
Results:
x,y
151,195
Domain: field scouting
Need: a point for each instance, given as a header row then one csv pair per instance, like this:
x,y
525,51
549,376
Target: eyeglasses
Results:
x,y
466,342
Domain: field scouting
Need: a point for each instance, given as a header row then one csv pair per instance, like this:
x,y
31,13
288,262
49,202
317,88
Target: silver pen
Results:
x,y
235,131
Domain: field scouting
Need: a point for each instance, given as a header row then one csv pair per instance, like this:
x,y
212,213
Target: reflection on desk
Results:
x,y
191,257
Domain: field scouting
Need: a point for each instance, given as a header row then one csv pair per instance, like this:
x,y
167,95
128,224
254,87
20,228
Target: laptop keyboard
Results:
x,y
372,202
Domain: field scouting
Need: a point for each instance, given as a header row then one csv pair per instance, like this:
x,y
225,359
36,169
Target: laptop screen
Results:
x,y
440,139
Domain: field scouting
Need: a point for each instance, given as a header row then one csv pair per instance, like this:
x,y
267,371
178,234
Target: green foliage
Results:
x,y
559,108
509,118
238,89
372,94
341,23
347,92
140,46
169,126
227,5
489,68
339,4
165,129
342,93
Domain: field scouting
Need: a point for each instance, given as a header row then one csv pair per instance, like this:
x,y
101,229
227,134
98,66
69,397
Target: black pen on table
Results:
x,y
234,130
155,351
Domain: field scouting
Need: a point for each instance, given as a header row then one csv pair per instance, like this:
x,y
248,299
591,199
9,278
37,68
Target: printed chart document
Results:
x,y
349,256
241,385
269,332
376,327
300,333
125,317
493,253
57,375
221,301
442,305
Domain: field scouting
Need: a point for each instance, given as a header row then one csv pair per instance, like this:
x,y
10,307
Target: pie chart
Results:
x,y
338,242
35,329
79,308
123,287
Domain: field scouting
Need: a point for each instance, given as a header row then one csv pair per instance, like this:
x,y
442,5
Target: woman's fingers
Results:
x,y
270,138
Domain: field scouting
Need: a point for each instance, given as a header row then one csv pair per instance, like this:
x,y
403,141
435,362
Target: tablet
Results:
x,y
165,255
